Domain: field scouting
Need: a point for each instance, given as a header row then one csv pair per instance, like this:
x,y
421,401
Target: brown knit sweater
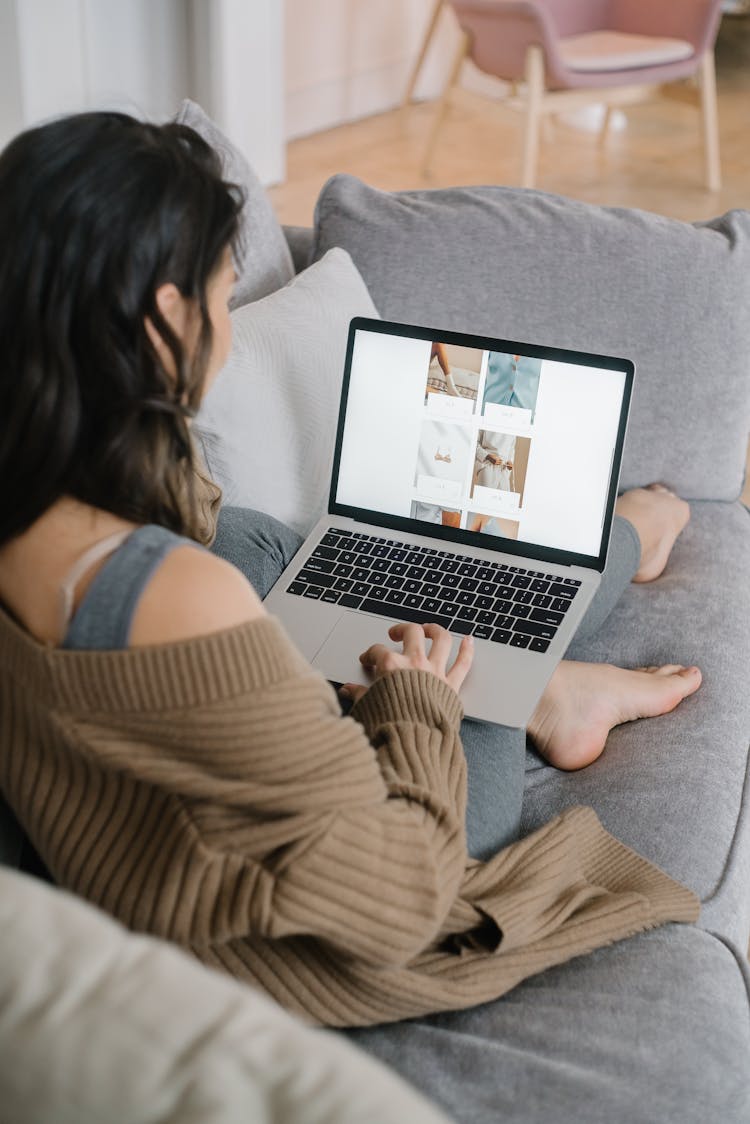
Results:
x,y
210,792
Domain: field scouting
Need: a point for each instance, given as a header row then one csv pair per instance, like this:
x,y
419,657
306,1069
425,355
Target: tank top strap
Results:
x,y
104,617
89,557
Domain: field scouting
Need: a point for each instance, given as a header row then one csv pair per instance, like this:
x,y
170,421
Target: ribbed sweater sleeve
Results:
x,y
378,879
285,819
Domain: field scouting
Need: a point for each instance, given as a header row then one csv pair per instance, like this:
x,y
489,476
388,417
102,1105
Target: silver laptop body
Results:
x,y
474,482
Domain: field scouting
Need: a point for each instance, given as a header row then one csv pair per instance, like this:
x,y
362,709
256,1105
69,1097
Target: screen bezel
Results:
x,y
456,534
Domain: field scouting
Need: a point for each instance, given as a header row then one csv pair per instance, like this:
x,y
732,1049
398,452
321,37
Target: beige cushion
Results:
x,y
97,1024
619,50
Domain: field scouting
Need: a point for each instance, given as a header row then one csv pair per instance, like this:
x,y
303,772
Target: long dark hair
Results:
x,y
97,211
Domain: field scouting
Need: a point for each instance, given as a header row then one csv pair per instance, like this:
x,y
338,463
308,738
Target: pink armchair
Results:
x,y
562,54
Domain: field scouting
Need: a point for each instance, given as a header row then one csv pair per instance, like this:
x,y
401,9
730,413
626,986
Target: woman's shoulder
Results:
x,y
190,594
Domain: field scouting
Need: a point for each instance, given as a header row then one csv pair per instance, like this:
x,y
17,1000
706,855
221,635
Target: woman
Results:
x,y
167,750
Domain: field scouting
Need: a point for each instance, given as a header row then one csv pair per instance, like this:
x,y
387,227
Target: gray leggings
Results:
x,y
261,547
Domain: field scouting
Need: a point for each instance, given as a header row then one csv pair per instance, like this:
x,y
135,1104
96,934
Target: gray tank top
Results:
x,y
104,617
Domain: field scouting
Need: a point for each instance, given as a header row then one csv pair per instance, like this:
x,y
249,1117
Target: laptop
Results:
x,y
473,484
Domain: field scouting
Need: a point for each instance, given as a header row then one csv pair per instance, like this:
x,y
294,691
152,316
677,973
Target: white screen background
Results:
x,y
572,442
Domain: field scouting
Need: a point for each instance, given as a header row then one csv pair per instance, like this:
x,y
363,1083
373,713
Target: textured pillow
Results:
x,y
267,425
266,262
524,265
97,1024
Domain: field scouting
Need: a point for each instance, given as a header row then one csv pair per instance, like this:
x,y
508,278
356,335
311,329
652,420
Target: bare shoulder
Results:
x,y
192,593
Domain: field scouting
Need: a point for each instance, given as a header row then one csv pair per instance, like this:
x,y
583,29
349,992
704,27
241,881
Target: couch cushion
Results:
x,y
268,423
266,263
676,788
524,265
654,1028
97,1024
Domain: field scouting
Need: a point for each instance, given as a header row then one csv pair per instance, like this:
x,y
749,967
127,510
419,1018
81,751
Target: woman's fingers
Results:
x,y
441,645
412,638
462,663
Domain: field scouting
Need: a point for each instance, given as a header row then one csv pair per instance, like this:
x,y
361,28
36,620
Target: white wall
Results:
x,y
347,59
145,56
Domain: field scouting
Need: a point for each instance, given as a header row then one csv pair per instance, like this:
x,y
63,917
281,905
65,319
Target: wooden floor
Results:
x,y
652,159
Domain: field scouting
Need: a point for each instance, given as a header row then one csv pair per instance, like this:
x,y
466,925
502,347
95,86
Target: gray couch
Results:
x,y
655,1028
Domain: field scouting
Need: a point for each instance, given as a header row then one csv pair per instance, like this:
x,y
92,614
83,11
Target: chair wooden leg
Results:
x,y
442,105
534,73
431,29
710,116
605,124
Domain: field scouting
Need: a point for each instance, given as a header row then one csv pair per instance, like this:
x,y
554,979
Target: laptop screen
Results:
x,y
506,445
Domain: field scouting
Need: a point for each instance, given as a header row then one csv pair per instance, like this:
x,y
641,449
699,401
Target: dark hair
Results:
x,y
97,211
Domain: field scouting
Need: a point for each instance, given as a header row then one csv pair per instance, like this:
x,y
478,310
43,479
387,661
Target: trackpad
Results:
x,y
354,633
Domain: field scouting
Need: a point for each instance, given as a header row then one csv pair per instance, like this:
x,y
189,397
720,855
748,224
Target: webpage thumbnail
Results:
x,y
511,389
452,380
500,464
492,525
433,513
443,460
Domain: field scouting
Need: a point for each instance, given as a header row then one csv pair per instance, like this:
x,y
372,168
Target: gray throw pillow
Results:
x,y
528,266
266,263
267,425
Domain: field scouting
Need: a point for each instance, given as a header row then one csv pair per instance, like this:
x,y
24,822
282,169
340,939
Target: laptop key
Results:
x,y
483,617
296,587
312,591
545,616
468,569
461,626
379,593
469,583
533,628
413,601
350,601
466,613
379,550
539,586
360,589
348,557
393,582
502,636
395,597
536,644
541,600
331,538
316,579
557,589
430,590
463,597
320,564
518,640
449,609
559,604
325,552
343,584
482,632
523,596
411,585
484,602
521,581
331,596
518,610
450,580
376,578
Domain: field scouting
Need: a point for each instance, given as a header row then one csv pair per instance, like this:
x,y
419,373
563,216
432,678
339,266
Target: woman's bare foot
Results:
x,y
583,701
658,516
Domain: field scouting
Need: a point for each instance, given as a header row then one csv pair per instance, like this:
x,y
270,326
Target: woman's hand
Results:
x,y
380,660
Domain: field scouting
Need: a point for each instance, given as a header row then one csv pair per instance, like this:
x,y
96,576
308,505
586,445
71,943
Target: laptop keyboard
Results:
x,y
489,600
